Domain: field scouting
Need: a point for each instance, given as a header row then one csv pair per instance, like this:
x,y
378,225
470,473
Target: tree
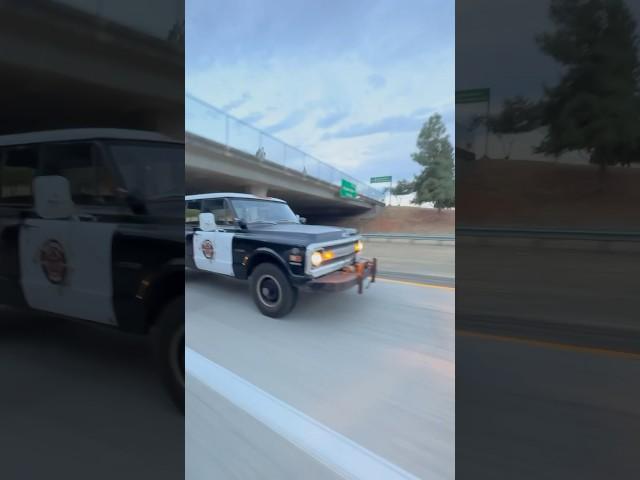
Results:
x,y
435,183
594,107
518,115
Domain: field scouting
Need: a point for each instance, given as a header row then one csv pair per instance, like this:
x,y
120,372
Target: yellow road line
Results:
x,y
415,284
549,343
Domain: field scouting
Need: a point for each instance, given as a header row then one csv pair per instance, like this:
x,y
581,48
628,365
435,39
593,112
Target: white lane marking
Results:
x,y
334,450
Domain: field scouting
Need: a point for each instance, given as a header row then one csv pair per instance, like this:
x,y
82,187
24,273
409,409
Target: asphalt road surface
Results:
x,y
413,259
564,286
83,401
377,369
533,410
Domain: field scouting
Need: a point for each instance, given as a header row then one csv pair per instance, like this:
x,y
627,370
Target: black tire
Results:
x,y
272,291
170,348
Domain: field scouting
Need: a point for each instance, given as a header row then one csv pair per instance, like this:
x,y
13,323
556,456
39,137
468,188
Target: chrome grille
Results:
x,y
344,251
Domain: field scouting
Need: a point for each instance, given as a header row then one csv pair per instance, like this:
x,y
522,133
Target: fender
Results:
x,y
261,252
153,292
162,286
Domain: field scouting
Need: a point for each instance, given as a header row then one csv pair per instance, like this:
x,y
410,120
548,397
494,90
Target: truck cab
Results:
x,y
90,229
261,240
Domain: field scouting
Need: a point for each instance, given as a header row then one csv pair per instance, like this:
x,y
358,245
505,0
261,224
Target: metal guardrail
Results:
x,y
551,233
214,124
409,236
517,232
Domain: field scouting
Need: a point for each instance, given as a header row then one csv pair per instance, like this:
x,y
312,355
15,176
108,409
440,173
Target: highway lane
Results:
x,y
377,368
531,410
84,400
413,259
568,287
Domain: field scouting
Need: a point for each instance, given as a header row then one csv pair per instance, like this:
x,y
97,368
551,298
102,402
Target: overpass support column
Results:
x,y
258,190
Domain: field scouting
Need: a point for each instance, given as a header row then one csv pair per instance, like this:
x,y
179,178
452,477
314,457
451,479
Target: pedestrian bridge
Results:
x,y
224,153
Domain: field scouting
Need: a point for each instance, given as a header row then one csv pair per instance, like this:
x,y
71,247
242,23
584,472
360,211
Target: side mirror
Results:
x,y
302,219
52,197
207,222
241,223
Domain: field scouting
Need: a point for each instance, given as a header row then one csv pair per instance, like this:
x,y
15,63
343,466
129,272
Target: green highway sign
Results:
x,y
348,189
475,95
386,179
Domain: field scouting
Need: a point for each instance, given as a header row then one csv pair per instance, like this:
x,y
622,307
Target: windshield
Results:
x,y
152,171
255,211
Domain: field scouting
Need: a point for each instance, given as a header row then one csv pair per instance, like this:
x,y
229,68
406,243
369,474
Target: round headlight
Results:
x,y
316,259
359,246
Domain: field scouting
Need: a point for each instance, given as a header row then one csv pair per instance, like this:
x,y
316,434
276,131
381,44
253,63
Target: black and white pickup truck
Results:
x,y
262,240
91,229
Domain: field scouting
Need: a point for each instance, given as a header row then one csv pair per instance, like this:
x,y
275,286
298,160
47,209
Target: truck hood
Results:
x,y
299,233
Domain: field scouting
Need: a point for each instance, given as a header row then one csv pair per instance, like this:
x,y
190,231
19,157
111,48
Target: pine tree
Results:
x,y
518,115
435,153
594,107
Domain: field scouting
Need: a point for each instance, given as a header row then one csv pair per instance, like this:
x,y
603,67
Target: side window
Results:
x,y
90,180
220,208
192,210
17,169
154,171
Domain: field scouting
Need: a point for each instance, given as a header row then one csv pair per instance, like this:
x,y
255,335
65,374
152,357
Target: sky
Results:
x,y
350,82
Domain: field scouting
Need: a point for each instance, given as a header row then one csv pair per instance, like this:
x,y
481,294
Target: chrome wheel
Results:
x,y
269,291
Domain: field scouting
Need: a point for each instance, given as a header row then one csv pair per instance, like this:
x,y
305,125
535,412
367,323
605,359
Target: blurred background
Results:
x,y
547,337
79,399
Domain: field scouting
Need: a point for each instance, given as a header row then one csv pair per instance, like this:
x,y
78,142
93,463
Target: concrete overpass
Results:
x,y
225,154
74,64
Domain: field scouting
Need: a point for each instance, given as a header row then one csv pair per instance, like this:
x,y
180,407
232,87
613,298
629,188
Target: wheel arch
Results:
x,y
265,254
162,289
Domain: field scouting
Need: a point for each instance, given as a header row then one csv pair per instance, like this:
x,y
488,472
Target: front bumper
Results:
x,y
346,277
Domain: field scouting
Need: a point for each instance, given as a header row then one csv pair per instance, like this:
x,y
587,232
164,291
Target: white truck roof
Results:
x,y
230,195
70,134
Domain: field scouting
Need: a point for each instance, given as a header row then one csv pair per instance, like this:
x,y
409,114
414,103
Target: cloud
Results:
x,y
255,30
232,105
253,118
331,119
346,89
393,124
376,81
373,155
422,111
291,120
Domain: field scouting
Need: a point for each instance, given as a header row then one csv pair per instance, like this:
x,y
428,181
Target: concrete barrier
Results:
x,y
409,238
581,240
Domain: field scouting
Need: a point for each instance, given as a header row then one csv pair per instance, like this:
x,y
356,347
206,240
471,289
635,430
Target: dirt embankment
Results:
x,y
402,220
529,193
